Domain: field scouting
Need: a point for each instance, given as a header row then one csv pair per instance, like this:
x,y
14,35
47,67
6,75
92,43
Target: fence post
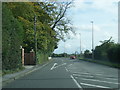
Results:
x,y
22,56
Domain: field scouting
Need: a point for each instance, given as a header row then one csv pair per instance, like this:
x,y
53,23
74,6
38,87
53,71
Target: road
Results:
x,y
69,73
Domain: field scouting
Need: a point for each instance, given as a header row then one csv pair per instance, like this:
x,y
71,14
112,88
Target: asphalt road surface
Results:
x,y
69,73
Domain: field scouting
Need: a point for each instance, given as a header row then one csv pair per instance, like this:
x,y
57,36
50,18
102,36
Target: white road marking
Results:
x,y
82,75
106,76
53,66
111,78
66,69
94,85
99,81
98,74
76,82
60,65
70,65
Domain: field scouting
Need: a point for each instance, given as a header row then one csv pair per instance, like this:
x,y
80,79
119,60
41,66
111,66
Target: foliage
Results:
x,y
100,52
108,51
113,53
87,54
18,29
60,55
11,40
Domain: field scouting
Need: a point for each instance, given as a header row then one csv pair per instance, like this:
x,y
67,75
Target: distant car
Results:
x,y
72,57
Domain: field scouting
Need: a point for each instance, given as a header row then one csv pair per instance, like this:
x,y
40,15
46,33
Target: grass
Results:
x,y
42,58
4,72
115,65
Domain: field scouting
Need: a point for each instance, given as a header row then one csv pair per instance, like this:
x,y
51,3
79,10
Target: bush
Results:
x,y
11,40
114,53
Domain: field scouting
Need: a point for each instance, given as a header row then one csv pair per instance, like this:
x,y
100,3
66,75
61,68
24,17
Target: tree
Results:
x,y
12,36
50,22
100,52
59,23
113,53
87,54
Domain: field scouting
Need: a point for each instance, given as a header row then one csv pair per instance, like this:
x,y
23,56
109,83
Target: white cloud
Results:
x,y
87,28
67,46
104,13
105,5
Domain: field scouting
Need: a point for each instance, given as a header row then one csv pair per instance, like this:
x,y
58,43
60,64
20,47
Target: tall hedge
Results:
x,y
114,53
11,40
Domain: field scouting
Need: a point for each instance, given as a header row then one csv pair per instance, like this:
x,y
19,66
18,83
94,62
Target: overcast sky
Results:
x,y
104,13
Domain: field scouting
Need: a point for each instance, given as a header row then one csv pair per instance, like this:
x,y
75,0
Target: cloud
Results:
x,y
104,5
107,35
67,46
102,12
86,28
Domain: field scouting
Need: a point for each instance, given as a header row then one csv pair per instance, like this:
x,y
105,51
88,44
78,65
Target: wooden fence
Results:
x,y
29,58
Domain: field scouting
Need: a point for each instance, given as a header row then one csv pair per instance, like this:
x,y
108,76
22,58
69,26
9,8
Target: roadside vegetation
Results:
x,y
108,53
18,24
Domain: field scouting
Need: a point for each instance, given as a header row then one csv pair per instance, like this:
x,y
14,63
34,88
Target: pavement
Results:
x,y
69,73
28,69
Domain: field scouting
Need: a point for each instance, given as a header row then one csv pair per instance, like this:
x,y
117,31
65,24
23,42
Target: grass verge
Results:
x,y
115,65
4,72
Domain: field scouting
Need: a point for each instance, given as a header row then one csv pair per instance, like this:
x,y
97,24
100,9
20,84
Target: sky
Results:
x,y
103,13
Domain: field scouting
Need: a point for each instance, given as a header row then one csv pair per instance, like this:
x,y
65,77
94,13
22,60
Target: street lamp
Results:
x,y
64,47
80,43
92,41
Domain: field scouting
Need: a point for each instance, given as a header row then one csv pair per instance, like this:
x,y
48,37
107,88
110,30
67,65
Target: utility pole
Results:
x,y
92,41
35,39
80,43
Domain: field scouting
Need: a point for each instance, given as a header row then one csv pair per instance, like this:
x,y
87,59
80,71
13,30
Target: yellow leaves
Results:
x,y
30,3
11,5
28,31
25,22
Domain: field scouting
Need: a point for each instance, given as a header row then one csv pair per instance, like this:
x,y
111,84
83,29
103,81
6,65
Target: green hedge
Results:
x,y
42,57
11,40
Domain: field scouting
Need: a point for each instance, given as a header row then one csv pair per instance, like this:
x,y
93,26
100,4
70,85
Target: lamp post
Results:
x,y
92,41
80,43
64,47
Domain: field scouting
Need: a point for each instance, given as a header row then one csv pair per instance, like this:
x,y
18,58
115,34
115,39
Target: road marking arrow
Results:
x,y
54,66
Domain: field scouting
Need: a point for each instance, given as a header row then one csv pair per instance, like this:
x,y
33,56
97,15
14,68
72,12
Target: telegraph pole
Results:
x,y
92,41
35,39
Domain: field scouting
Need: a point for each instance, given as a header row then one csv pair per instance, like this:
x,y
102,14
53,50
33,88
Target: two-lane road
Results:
x,y
67,73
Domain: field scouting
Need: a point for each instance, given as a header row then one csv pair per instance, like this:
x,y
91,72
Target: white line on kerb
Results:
x,y
76,82
94,85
